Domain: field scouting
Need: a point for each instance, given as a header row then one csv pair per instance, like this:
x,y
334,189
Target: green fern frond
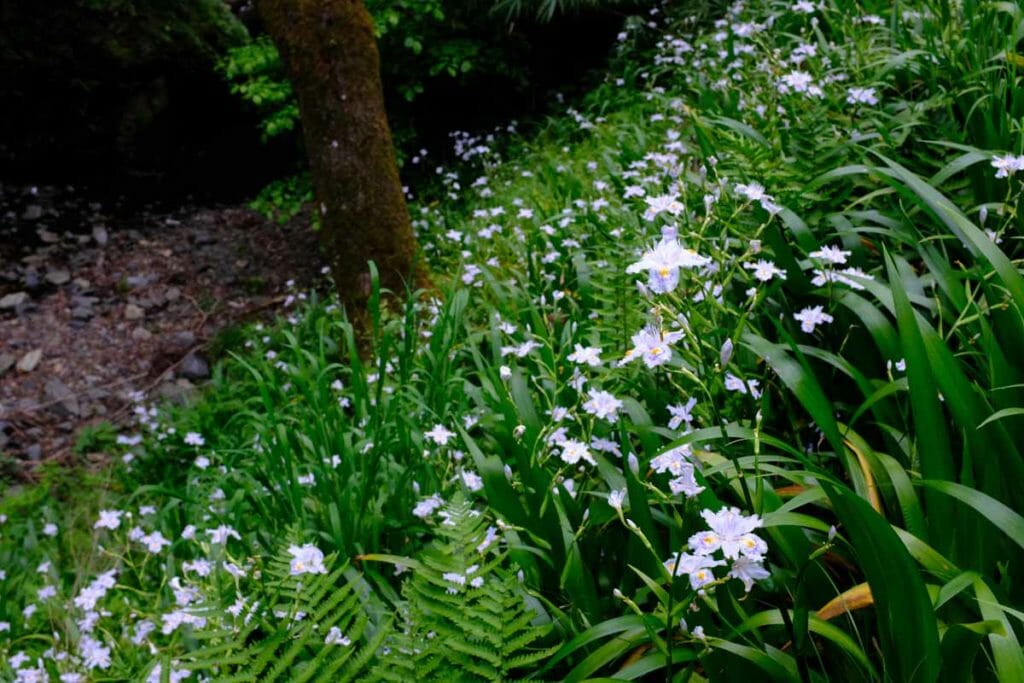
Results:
x,y
463,616
293,647
467,617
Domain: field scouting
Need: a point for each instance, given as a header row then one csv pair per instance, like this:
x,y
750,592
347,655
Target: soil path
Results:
x,y
96,307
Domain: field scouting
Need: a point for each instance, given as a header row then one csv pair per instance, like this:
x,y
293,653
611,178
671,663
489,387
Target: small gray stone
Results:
x,y
193,367
202,238
82,313
57,390
14,300
47,236
141,334
180,342
172,294
82,284
67,402
31,279
136,281
133,312
30,360
34,452
99,233
58,276
7,361
33,212
177,391
97,393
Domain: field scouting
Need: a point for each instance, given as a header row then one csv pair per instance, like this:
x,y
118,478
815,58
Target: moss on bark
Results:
x,y
330,52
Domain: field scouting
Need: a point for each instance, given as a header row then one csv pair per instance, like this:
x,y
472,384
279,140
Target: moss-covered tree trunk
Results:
x,y
330,52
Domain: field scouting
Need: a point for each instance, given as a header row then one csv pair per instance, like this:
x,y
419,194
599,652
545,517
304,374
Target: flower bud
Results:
x,y
725,355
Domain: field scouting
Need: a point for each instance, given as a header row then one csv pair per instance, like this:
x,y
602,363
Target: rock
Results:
x,y
155,300
201,238
34,452
141,334
172,294
180,342
177,391
58,276
31,279
133,312
47,236
97,393
99,233
67,402
174,346
136,281
33,212
13,300
30,360
193,367
82,313
7,361
82,284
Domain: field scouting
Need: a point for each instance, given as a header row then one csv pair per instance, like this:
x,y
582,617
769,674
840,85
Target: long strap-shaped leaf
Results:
x,y
906,620
969,234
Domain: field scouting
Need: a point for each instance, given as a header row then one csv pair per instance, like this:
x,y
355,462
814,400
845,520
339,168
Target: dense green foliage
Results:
x,y
463,616
434,44
730,357
403,30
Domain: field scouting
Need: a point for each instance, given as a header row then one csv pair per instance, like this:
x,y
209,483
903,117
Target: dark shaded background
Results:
x,y
121,97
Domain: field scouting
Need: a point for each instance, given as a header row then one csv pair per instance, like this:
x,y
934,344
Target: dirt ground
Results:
x,y
97,304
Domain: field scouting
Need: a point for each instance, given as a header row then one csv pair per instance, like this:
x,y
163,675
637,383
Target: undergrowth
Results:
x,y
724,384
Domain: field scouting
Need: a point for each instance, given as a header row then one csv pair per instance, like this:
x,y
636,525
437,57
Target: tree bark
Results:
x,y
330,52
